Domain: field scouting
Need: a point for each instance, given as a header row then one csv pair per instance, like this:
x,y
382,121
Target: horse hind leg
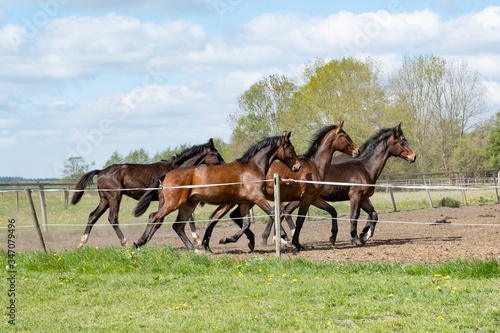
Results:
x,y
185,213
244,223
93,217
192,227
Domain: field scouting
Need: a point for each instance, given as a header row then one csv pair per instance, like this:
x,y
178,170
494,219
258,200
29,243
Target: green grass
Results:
x,y
159,289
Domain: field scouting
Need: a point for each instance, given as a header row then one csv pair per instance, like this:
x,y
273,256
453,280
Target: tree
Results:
x,y
260,112
74,168
493,148
348,89
442,99
471,151
137,156
115,158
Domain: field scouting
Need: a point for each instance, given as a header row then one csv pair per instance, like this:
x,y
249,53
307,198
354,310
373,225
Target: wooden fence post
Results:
x,y
44,210
35,219
428,192
277,214
17,200
392,194
463,191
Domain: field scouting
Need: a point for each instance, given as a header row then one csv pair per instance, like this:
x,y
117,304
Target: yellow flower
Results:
x,y
240,273
437,275
316,278
284,275
452,291
208,276
367,301
260,270
294,280
441,317
64,317
329,323
438,287
390,295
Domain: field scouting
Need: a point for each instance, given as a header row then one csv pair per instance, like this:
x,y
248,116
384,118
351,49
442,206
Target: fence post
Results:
x,y
428,192
496,183
66,197
277,214
42,203
17,200
35,219
392,194
463,191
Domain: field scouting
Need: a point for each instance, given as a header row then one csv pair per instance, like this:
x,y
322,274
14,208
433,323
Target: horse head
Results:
x,y
399,146
343,143
286,152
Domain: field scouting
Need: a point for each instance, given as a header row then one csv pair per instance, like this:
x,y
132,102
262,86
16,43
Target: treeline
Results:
x,y
25,180
440,102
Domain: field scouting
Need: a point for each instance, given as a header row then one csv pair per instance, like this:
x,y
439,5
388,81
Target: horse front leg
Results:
x,y
154,223
299,223
322,204
241,217
369,229
192,227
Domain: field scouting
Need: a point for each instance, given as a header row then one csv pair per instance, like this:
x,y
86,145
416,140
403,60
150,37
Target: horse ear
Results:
x,y
340,125
211,143
288,136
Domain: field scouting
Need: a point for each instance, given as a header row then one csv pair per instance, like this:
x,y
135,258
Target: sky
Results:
x,y
88,78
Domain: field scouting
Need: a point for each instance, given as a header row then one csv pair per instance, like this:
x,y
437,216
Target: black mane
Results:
x,y
316,141
374,141
252,151
185,155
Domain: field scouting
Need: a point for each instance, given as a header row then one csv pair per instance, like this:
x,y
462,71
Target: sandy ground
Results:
x,y
406,237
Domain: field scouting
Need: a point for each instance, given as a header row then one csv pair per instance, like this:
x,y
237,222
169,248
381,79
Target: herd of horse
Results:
x,y
200,175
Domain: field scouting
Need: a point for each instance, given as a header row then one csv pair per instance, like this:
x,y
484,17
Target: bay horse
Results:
x,y
129,179
314,165
365,169
184,188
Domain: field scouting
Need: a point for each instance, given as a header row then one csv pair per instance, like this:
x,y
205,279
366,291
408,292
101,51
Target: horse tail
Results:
x,y
82,184
147,197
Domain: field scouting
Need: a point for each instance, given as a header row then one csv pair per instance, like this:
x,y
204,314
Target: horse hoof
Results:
x,y
123,242
264,242
366,237
356,241
251,246
223,240
332,241
80,246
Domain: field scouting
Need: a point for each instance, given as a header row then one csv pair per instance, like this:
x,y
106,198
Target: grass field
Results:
x,y
159,289
162,290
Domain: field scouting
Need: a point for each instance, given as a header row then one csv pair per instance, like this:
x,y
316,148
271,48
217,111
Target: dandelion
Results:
x,y
256,301
441,317
329,323
260,270
284,275
240,273
407,298
367,301
208,276
390,295
437,275
64,317
316,278
256,317
294,280
438,288
239,266
61,283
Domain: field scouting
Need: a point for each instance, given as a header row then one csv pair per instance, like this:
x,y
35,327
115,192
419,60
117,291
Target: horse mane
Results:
x,y
188,153
316,142
252,151
370,144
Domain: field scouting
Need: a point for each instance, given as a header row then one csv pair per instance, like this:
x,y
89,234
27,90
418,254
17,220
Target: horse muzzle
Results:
x,y
296,167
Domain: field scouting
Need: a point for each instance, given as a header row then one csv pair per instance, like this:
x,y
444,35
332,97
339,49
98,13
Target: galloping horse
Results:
x,y
362,170
314,164
184,188
129,179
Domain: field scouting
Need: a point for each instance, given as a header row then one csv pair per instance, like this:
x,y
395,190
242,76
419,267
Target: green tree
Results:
x,y
471,151
493,148
348,89
260,112
137,156
74,168
115,158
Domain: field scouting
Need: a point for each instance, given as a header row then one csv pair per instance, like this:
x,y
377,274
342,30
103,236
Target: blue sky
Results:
x,y
87,78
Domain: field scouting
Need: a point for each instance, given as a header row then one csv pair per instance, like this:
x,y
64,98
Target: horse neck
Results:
x,y
375,160
323,156
263,159
193,161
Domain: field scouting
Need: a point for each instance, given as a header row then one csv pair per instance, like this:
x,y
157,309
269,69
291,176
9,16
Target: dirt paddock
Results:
x,y
406,237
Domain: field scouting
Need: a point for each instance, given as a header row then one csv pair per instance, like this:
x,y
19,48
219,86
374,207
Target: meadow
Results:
x,y
160,289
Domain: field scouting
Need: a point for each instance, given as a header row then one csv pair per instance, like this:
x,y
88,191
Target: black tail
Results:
x,y
82,185
147,197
